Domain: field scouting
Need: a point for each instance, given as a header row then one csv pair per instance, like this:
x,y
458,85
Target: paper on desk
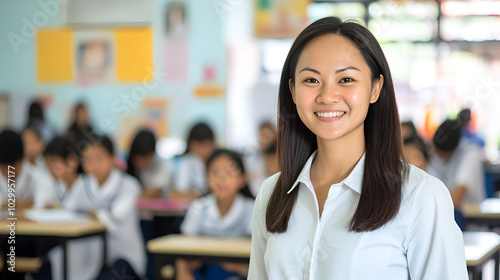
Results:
x,y
55,216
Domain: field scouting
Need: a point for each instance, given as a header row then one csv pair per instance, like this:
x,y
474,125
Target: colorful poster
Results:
x,y
155,115
94,57
280,18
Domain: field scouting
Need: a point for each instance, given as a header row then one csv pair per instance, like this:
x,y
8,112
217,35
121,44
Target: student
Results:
x,y
344,205
225,212
154,174
271,159
190,180
109,195
255,157
415,151
62,164
33,145
26,178
457,162
80,130
36,118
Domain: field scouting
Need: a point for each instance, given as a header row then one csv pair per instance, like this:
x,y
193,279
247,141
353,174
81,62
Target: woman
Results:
x,y
344,205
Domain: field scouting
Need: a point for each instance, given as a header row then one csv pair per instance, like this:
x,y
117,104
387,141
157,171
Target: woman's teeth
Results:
x,y
329,114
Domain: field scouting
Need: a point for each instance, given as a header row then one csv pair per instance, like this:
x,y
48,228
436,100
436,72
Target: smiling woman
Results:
x,y
346,206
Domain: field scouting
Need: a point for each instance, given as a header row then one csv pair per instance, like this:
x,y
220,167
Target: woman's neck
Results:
x,y
224,205
337,158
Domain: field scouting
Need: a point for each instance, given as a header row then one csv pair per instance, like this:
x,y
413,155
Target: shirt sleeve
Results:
x,y
191,223
470,174
434,243
44,193
257,270
122,208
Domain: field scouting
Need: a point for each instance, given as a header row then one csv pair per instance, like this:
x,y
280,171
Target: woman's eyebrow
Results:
x,y
346,68
310,69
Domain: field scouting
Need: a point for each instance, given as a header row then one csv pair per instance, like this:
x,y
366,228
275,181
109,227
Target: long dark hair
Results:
x,y
144,143
384,171
237,160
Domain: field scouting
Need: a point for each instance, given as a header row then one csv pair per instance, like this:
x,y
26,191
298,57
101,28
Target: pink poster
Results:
x,y
176,60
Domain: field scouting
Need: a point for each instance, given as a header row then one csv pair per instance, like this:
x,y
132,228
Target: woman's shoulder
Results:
x,y
420,185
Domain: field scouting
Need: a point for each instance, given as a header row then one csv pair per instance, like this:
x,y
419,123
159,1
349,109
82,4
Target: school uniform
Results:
x,y
255,170
421,242
203,218
159,175
114,202
26,182
190,174
465,168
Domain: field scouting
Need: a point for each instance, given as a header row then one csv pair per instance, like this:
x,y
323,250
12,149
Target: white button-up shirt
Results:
x,y
421,242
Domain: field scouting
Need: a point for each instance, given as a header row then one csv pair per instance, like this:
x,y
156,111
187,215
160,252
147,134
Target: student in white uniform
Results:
x,y
110,195
154,173
345,206
65,192
457,162
225,212
26,177
190,168
33,145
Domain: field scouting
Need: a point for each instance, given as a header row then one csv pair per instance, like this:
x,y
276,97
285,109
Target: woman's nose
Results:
x,y
328,94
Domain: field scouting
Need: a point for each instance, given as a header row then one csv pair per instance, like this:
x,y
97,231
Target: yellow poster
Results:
x,y
134,54
54,55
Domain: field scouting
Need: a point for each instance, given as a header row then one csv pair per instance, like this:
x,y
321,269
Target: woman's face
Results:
x,y
224,178
333,87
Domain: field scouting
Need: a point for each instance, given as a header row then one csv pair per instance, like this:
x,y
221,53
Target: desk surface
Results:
x,y
204,246
479,246
27,227
489,208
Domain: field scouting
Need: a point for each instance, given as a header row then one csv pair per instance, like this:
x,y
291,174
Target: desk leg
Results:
x,y
65,259
497,265
104,251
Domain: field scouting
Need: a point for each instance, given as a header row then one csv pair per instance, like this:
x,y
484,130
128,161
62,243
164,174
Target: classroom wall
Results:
x,y
18,75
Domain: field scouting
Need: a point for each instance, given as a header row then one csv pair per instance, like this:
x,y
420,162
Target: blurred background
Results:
x,y
170,64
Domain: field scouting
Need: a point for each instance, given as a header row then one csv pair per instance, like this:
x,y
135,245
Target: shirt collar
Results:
x,y
353,181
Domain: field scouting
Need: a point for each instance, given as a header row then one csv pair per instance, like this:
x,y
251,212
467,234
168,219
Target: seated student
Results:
x,y
457,162
62,165
80,131
225,212
33,145
415,151
27,178
154,174
271,159
190,171
110,195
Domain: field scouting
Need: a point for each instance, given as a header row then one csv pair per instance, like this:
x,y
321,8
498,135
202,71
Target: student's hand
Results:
x,y
175,194
23,204
152,192
92,214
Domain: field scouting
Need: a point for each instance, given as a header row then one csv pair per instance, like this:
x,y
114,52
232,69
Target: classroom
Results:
x,y
250,139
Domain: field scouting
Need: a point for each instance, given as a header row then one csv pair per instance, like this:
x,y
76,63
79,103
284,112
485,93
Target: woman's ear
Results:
x,y
291,85
376,89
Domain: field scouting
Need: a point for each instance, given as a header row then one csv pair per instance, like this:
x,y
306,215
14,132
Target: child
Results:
x,y
154,174
33,145
190,180
111,196
225,212
26,178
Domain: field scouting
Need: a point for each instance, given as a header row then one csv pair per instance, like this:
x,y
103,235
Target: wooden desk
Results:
x,y
61,233
164,207
486,213
480,247
168,248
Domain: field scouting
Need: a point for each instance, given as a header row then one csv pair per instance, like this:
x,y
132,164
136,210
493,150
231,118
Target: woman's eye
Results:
x,y
311,80
346,80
